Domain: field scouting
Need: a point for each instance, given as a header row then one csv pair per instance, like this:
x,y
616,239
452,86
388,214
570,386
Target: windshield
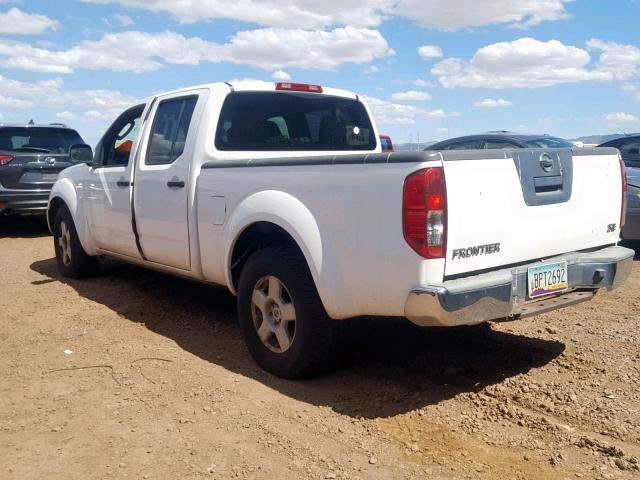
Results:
x,y
284,121
34,139
549,142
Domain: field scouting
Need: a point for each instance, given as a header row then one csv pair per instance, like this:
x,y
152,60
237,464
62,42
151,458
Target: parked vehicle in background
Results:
x,y
631,230
31,157
280,192
629,147
500,140
386,143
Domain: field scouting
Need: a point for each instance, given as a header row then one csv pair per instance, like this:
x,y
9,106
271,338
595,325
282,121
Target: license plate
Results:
x,y
547,278
49,177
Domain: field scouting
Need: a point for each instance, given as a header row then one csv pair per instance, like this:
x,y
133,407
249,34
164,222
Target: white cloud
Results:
x,y
621,117
50,93
418,82
371,69
124,20
411,95
387,113
619,61
530,63
291,14
390,113
65,115
442,130
12,102
440,114
94,114
16,22
24,89
430,51
281,75
264,48
491,103
307,14
456,14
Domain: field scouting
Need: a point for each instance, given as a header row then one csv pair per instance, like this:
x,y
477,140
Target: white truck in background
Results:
x,y
280,192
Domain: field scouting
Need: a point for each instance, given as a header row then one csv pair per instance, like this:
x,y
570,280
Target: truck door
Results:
x,y
163,181
108,193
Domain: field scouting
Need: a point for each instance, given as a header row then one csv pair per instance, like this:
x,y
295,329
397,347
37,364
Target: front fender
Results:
x,y
288,213
64,189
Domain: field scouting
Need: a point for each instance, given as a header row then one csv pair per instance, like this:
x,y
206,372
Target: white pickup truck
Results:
x,y
280,192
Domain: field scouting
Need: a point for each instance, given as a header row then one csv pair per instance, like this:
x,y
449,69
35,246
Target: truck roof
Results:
x,y
257,85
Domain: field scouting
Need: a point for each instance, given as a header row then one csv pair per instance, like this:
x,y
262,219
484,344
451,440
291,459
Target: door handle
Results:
x,y
175,184
124,183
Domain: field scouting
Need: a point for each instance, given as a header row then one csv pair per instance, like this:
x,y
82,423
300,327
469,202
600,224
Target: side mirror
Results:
x,y
81,153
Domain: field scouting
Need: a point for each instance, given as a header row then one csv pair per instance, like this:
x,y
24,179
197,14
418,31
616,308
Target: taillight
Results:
x,y
298,87
625,188
4,159
424,212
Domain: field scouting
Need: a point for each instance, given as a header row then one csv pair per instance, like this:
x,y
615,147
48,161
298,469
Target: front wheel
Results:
x,y
72,260
285,326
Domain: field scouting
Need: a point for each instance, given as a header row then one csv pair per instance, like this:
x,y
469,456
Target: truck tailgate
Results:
x,y
512,206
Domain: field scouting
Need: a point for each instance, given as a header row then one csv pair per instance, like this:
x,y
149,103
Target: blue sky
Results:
x,y
562,67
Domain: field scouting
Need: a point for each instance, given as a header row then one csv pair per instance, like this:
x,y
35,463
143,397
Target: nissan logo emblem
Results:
x,y
546,163
50,161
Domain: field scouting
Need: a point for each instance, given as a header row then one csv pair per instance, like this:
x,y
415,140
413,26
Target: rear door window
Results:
x,y
282,121
170,128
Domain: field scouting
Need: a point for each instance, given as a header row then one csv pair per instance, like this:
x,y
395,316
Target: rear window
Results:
x,y
283,121
34,139
549,142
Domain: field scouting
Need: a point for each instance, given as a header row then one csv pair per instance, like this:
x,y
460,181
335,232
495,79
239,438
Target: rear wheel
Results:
x,y
285,326
72,260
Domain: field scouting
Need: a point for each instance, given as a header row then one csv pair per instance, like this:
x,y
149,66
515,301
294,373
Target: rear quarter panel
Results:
x,y
347,220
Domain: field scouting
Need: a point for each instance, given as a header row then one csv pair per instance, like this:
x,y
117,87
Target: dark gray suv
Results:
x,y
31,156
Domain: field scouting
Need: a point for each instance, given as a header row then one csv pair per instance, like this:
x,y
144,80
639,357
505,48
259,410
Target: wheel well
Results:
x,y
255,237
54,206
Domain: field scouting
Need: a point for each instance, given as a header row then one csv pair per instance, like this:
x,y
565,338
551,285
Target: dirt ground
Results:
x,y
136,374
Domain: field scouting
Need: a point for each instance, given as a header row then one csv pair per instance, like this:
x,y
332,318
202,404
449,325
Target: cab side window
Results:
x,y
170,128
117,143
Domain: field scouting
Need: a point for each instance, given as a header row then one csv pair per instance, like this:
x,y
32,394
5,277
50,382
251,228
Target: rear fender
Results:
x,y
288,213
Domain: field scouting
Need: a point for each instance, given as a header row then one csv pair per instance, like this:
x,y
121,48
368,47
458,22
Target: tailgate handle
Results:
x,y
547,184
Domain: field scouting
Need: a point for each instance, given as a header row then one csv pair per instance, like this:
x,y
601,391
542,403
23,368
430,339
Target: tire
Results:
x,y
265,315
72,260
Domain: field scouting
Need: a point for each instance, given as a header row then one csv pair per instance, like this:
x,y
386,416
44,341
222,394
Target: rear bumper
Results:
x,y
23,201
502,294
